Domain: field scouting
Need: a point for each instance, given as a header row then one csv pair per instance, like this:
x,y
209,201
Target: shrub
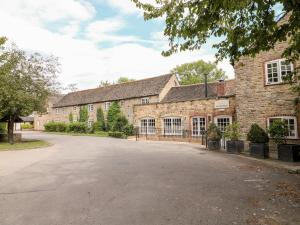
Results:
x,y
278,131
56,126
3,128
71,119
119,123
100,120
112,114
213,133
232,132
78,127
129,130
83,114
26,126
116,134
257,134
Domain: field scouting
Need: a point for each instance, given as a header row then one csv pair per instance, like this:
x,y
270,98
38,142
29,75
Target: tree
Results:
x,y
193,73
124,80
100,119
120,123
26,81
104,83
113,111
83,114
243,27
72,87
71,119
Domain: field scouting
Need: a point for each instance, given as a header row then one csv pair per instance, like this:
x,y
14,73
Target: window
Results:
x,y
198,125
57,110
107,105
90,107
276,71
291,123
63,110
90,123
74,108
222,122
75,119
145,101
147,126
172,126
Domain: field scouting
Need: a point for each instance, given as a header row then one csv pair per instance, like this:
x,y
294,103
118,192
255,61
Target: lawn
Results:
x,y
97,134
24,144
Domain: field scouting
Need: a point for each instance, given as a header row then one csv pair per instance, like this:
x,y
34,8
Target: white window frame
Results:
x,y
145,100
147,129
287,118
75,108
107,106
197,133
174,128
57,111
279,71
222,117
90,107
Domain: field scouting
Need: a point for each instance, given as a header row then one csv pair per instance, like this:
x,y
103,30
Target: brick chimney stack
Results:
x,y
221,88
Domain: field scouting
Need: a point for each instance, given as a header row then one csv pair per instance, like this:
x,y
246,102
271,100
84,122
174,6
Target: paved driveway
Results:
x,y
103,181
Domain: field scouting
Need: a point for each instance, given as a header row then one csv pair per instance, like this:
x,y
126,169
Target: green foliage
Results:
x,y
113,112
241,27
116,134
55,127
3,127
100,124
26,126
213,132
124,80
83,114
257,134
78,127
129,130
278,131
26,81
193,73
120,123
232,132
71,119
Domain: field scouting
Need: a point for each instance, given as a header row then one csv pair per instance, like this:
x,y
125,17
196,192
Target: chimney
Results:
x,y
221,88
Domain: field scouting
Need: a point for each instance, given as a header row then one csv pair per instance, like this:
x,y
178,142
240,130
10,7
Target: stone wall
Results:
x,y
256,101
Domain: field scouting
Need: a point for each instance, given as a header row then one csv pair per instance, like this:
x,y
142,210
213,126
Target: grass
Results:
x,y
96,134
24,144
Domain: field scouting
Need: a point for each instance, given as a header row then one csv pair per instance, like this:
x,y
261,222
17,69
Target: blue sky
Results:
x,y
95,39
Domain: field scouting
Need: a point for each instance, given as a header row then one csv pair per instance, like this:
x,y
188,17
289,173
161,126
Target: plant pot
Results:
x,y
234,147
259,150
214,145
289,152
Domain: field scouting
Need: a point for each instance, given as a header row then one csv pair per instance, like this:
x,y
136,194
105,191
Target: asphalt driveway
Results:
x,y
104,181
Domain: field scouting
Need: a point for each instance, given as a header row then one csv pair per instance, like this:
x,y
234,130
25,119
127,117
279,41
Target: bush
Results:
x,y
83,114
100,126
56,127
232,132
257,134
26,126
3,128
213,133
71,119
119,123
129,130
116,134
78,127
278,131
112,114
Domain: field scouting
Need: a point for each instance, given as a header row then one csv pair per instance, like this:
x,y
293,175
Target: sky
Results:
x,y
95,39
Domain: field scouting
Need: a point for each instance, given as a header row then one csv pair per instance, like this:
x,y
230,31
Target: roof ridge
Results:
x,y
212,82
124,83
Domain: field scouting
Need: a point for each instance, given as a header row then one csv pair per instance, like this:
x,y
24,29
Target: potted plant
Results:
x,y
286,152
259,139
214,137
233,145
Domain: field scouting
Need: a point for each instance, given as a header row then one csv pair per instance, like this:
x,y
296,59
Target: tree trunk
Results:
x,y
10,128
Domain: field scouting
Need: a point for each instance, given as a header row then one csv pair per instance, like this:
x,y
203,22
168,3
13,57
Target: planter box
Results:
x,y
214,145
234,147
289,152
259,150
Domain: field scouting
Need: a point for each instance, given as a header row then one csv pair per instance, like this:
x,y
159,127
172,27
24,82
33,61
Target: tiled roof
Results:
x,y
197,91
140,88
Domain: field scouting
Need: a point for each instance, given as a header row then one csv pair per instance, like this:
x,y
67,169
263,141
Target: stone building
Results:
x,y
186,111
128,94
262,95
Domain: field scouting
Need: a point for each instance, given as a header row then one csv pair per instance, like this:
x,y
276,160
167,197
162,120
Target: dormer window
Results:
x,y
276,70
145,100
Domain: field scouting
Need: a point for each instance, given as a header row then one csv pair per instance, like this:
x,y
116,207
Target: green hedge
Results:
x,y
116,134
26,126
56,127
78,127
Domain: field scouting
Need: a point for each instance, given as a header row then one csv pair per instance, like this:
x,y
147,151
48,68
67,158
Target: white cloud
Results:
x,y
127,6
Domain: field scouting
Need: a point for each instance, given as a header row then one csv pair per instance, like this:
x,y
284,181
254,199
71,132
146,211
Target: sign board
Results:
x,y
222,104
